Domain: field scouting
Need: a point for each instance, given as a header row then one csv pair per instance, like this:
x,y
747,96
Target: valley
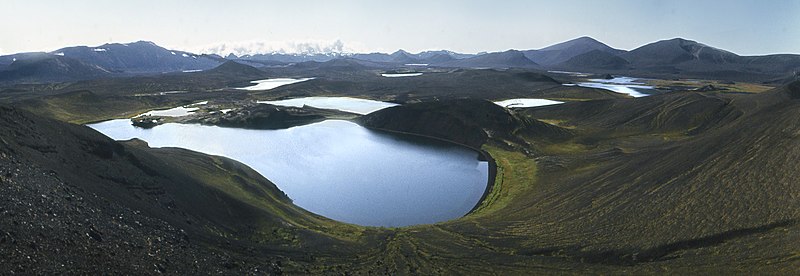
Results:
x,y
572,159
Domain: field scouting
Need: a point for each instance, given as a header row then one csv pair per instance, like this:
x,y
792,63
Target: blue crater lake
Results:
x,y
339,169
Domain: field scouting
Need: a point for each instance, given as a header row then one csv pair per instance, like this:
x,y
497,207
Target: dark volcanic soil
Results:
x,y
267,116
466,121
75,201
683,183
52,227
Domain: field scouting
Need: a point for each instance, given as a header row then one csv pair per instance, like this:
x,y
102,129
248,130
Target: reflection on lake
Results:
x,y
339,169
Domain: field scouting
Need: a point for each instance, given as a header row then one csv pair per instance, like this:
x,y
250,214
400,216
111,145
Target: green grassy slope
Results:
x,y
674,183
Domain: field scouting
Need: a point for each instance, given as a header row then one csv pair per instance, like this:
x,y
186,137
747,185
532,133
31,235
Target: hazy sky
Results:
x,y
743,27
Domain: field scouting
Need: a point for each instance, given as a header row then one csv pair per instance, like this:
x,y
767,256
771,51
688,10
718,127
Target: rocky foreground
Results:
x,y
52,227
73,201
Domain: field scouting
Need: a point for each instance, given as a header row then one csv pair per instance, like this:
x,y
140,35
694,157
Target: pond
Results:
x,y
401,75
525,102
268,84
354,105
175,111
339,169
624,85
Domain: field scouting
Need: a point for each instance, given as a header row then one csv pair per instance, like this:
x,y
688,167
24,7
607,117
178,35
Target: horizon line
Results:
x,y
355,52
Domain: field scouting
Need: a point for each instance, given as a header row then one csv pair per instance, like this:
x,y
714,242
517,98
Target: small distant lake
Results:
x,y
359,106
624,85
268,84
524,102
339,169
574,74
176,111
401,75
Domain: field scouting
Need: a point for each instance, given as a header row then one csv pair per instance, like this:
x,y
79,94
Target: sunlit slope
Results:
x,y
676,186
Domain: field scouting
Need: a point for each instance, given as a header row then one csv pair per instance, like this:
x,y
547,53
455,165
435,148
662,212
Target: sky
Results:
x,y
743,27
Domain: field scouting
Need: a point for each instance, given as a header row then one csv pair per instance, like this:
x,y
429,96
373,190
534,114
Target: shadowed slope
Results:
x,y
213,201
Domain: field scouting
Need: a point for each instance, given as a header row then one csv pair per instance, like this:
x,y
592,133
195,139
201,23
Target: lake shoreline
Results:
x,y
421,183
482,156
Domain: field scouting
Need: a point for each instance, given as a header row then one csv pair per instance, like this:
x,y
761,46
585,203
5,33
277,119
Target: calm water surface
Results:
x,y
267,84
624,85
525,102
339,169
401,75
355,105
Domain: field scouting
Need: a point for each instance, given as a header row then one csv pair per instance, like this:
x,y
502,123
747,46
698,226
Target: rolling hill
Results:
x,y
138,57
594,59
676,51
104,205
507,59
564,51
44,67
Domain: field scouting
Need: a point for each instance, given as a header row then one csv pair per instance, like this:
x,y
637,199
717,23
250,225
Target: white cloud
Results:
x,y
253,47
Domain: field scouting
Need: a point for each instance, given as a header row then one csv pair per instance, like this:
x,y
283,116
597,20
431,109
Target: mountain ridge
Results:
x,y
677,56
563,51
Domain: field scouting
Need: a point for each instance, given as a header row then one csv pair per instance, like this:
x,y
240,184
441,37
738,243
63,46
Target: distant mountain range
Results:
x,y
674,57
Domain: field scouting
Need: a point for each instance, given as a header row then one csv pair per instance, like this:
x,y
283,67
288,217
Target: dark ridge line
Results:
x,y
654,254
658,253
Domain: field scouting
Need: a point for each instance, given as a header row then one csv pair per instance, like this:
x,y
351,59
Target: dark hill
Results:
x,y
100,205
459,83
139,57
595,59
49,68
233,68
351,65
403,57
564,51
709,183
675,112
454,55
507,59
5,61
346,63
581,44
229,74
468,122
686,58
678,50
790,64
373,57
289,58
437,58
